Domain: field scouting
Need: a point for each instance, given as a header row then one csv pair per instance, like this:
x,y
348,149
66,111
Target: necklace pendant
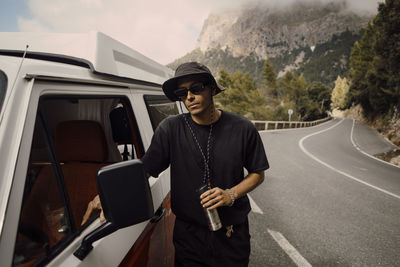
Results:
x,y
229,231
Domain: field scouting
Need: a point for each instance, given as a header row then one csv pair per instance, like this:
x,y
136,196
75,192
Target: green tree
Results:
x,y
242,96
321,94
375,62
339,93
360,64
285,85
385,75
225,79
269,79
292,89
280,112
299,89
307,109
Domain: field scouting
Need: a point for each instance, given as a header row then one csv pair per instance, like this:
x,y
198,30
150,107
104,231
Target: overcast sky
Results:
x,y
160,29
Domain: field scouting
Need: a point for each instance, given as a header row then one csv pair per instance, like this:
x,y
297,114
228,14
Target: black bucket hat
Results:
x,y
188,69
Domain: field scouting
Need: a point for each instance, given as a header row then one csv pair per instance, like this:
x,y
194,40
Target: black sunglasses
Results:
x,y
195,88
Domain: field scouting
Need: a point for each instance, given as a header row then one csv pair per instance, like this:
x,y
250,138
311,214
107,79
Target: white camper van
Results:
x,y
77,111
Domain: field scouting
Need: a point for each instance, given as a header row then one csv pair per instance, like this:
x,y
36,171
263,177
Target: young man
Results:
x,y
207,146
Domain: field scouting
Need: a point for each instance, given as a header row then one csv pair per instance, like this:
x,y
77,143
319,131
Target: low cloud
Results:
x,y
368,6
357,6
162,30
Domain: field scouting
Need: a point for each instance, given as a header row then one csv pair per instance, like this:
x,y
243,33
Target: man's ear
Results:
x,y
214,91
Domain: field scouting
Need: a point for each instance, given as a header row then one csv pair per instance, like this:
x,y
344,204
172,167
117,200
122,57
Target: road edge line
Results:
x,y
365,153
336,170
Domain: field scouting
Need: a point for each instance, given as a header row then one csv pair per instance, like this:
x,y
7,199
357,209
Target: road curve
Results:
x,y
334,204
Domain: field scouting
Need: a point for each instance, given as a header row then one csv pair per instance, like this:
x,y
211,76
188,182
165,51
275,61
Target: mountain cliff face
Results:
x,y
304,38
268,32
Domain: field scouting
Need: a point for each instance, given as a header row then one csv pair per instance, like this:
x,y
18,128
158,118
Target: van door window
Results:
x,y
3,87
43,218
73,138
159,107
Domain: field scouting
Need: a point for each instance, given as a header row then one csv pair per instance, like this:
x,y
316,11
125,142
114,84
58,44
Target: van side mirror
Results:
x,y
126,199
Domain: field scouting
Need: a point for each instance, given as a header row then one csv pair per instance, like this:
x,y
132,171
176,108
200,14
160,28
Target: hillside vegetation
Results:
x,y
375,71
273,99
324,64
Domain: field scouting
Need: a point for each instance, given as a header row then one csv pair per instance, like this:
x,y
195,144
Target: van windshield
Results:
x,y
3,87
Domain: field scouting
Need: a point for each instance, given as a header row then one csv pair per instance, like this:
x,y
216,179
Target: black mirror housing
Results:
x,y
126,199
125,193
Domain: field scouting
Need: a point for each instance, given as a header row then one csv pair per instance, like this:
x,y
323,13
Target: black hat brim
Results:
x,y
171,85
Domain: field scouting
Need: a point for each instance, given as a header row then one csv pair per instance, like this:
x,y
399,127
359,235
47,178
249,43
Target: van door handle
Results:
x,y
158,215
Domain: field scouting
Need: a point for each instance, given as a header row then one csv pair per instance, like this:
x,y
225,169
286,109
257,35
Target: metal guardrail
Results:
x,y
274,125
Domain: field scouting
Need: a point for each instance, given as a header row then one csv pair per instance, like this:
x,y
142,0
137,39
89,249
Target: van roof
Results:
x,y
94,50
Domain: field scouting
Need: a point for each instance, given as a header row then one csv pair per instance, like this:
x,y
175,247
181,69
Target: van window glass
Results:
x,y
74,137
159,107
3,87
43,217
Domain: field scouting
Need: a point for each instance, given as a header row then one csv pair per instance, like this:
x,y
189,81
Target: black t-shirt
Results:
x,y
235,144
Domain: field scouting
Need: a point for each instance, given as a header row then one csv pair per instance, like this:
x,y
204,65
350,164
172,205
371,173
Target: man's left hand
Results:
x,y
95,204
214,198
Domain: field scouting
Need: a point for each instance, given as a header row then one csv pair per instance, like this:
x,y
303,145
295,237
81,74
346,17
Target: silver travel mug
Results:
x,y
214,223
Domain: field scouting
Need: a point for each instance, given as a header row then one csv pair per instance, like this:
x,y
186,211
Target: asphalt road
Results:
x,y
325,201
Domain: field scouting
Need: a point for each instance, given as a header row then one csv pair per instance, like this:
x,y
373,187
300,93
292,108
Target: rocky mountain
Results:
x,y
309,38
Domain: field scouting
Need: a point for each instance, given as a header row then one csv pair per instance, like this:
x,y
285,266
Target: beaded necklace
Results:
x,y
206,159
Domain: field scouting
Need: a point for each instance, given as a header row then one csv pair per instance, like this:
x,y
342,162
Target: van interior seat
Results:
x,y
81,147
82,150
80,141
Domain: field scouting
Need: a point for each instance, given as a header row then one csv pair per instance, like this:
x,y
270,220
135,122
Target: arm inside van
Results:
x,y
95,204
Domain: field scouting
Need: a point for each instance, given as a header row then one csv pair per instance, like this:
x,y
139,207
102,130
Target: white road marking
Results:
x,y
254,207
365,153
336,170
289,249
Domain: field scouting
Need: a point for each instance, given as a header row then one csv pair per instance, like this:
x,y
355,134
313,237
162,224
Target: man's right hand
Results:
x,y
214,198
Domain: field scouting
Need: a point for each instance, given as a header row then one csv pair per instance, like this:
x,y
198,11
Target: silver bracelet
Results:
x,y
232,197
